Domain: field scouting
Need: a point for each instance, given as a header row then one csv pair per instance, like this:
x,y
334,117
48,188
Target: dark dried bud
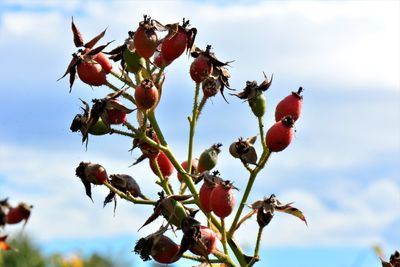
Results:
x,y
143,248
264,218
244,150
395,259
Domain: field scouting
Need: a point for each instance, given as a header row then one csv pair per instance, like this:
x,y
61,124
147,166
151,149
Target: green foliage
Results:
x,y
26,253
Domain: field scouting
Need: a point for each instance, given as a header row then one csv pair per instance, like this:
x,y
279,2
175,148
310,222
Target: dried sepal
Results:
x,y
252,88
98,49
126,184
211,179
95,39
71,70
171,208
4,207
110,197
287,208
395,259
272,204
78,39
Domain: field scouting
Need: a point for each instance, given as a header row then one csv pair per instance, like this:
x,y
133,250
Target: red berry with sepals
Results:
x,y
222,199
177,40
174,47
146,95
164,164
145,39
280,135
290,105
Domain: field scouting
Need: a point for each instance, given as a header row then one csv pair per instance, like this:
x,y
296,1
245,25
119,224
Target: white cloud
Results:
x,y
352,45
359,217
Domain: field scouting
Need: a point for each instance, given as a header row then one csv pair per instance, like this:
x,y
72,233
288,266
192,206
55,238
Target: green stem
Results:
x,y
156,127
224,258
124,94
201,106
262,136
223,232
252,178
200,259
113,131
130,127
192,121
257,248
119,77
129,197
138,77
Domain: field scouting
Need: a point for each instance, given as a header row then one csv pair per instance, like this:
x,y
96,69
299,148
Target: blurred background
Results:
x,y
342,169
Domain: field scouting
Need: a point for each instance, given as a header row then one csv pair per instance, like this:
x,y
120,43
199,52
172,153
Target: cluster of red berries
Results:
x,y
145,55
288,110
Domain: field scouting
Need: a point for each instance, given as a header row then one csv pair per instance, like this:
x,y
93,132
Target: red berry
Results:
x,y
200,68
184,164
145,39
204,195
164,163
164,250
115,115
94,173
103,60
207,243
222,199
146,95
18,214
91,73
160,61
290,105
280,134
173,47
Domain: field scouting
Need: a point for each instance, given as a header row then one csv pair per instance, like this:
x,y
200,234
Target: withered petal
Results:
x,y
78,39
98,49
94,41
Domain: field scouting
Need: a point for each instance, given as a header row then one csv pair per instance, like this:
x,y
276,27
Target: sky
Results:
x,y
342,169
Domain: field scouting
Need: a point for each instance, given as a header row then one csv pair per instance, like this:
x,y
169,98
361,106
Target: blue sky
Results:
x,y
342,170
